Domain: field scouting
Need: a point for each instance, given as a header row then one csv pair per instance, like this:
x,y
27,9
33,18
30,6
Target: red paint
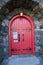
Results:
x,y
24,29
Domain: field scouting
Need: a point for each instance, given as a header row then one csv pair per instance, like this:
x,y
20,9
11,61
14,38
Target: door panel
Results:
x,y
21,36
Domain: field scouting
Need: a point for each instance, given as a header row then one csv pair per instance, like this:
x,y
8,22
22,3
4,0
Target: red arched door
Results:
x,y
21,35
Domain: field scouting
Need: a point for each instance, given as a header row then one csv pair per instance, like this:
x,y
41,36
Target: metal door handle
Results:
x,y
22,36
18,37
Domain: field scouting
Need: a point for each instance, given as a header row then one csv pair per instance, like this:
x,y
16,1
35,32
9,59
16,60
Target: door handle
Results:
x,y
18,37
22,36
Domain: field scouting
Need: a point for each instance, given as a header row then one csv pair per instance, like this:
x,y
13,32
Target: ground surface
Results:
x,y
22,60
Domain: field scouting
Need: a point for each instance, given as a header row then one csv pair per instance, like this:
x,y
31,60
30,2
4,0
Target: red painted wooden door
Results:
x,y
21,36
